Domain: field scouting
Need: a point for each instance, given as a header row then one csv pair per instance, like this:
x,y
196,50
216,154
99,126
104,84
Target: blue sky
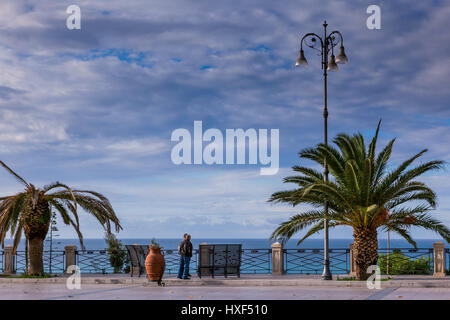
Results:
x,y
95,107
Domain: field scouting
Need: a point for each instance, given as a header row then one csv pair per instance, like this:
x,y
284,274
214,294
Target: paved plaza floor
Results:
x,y
248,287
58,291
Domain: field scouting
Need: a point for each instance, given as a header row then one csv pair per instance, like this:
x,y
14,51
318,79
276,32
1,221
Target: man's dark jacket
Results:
x,y
185,248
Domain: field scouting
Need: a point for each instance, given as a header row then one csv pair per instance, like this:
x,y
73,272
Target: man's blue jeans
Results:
x,y
183,271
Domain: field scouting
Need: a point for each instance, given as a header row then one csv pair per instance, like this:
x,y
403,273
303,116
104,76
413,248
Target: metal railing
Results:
x,y
54,261
94,261
405,261
172,260
310,261
253,261
256,261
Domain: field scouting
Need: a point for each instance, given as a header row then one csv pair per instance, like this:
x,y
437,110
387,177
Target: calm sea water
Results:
x,y
98,244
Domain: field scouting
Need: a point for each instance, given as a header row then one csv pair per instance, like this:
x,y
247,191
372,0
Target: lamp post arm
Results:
x,y
329,39
313,35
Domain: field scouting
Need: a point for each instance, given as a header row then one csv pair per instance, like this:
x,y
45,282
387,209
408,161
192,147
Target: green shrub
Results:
x,y
154,244
399,263
118,257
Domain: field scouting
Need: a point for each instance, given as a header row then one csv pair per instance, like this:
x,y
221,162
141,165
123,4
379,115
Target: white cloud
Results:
x,y
99,104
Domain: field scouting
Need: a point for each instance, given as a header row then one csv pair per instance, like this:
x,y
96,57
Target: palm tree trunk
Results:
x,y
37,222
366,251
36,261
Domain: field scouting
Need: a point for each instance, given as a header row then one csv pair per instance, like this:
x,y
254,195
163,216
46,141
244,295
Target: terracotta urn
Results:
x,y
155,264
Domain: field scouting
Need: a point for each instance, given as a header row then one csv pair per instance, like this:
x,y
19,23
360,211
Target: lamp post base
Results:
x,y
326,275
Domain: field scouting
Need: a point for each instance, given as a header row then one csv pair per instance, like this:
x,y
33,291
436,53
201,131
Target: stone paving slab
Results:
x,y
49,291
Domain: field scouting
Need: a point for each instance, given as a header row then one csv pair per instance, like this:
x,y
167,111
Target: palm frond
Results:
x,y
15,175
68,220
296,223
361,192
373,143
429,223
319,226
402,232
381,162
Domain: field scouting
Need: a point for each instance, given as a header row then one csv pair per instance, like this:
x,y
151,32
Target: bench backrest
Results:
x,y
132,255
226,255
140,250
220,258
145,249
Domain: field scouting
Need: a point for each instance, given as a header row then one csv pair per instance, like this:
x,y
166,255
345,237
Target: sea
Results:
x,y
100,244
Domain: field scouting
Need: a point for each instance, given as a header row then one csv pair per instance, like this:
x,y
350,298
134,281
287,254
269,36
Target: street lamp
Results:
x,y
327,44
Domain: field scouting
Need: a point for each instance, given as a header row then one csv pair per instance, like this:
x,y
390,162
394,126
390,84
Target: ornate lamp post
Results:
x,y
327,44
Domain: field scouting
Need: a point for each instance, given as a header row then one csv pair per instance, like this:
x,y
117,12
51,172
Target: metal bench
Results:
x,y
219,259
137,261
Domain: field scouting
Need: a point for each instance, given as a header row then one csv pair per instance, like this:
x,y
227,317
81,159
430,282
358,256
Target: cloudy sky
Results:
x,y
95,108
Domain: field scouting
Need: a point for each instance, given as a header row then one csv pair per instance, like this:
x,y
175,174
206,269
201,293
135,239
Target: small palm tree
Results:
x,y
29,211
362,193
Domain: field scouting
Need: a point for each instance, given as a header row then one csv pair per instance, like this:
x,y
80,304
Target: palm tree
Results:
x,y
362,193
29,211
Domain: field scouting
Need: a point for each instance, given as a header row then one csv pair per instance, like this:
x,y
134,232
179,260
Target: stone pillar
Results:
x,y
352,262
8,260
71,255
277,258
439,259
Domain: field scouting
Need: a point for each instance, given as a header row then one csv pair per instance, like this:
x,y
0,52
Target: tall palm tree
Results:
x,y
29,211
362,193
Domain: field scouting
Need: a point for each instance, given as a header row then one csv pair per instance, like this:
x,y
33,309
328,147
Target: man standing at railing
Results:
x,y
185,251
